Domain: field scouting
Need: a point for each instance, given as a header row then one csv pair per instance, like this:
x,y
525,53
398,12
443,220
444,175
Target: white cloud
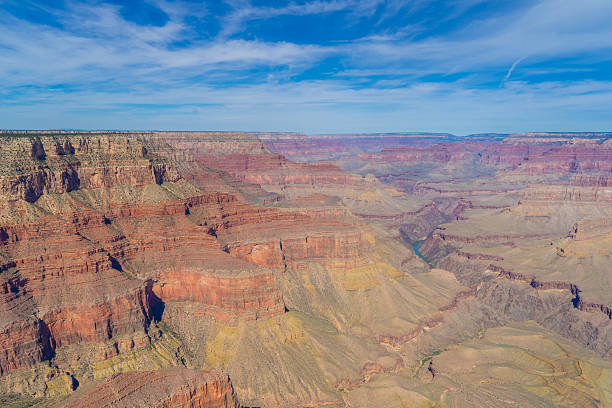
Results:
x,y
548,29
102,46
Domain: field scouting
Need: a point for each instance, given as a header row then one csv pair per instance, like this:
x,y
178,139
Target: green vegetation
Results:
x,y
429,358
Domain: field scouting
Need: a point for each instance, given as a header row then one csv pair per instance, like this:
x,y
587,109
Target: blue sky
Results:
x,y
460,66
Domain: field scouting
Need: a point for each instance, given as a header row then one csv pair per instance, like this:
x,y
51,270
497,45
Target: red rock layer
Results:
x,y
90,274
84,274
179,388
253,296
294,241
552,154
526,158
247,158
59,291
439,153
186,263
274,169
323,147
585,158
272,237
569,159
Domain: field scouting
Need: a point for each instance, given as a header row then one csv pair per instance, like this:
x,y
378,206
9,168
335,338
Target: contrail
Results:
x,y
507,76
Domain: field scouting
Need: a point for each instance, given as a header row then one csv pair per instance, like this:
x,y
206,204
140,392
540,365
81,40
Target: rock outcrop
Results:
x,y
179,388
35,165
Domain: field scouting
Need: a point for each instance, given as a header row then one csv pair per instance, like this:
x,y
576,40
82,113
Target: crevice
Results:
x,y
115,263
156,306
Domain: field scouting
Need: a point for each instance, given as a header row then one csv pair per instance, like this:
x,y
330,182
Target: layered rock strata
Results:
x,y
179,388
97,234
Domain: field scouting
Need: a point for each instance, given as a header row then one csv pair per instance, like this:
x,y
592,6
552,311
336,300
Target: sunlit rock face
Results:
x,y
166,388
227,269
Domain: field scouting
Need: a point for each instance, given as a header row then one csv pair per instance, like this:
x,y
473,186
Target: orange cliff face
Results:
x,y
172,388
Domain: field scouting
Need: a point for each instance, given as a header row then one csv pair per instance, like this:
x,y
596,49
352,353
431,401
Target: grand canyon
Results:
x,y
236,269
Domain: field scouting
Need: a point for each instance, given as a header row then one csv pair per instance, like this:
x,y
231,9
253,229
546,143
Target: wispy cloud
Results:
x,y
549,29
101,46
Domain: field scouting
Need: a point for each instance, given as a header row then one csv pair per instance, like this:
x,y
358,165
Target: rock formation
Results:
x,y
148,268
172,388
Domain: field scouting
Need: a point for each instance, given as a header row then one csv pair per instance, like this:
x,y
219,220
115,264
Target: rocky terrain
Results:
x,y
169,388
226,269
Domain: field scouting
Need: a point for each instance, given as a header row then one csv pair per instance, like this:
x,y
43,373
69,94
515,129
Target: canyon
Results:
x,y
237,269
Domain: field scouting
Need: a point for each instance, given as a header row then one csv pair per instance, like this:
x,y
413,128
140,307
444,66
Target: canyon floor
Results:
x,y
230,269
